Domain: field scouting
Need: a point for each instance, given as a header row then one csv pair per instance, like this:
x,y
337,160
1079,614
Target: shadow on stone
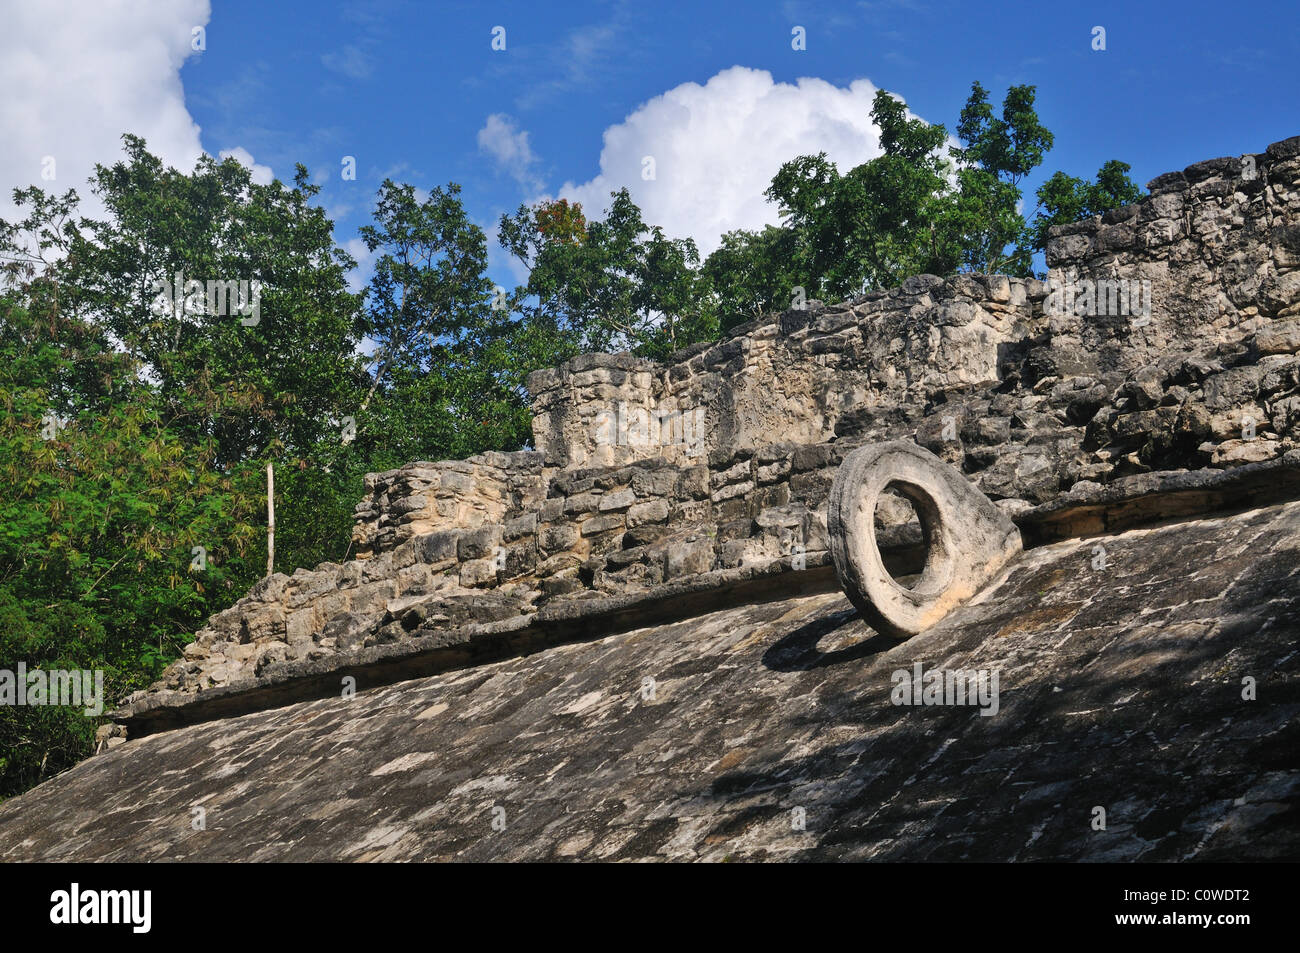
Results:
x,y
798,651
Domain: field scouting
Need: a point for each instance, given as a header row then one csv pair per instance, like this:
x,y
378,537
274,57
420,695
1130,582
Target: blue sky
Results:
x,y
415,92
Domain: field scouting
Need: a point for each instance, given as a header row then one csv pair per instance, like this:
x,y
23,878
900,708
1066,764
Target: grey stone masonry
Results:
x,y
1164,341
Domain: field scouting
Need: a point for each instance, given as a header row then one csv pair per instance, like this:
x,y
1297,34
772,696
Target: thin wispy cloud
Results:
x,y
578,63
508,146
371,28
351,62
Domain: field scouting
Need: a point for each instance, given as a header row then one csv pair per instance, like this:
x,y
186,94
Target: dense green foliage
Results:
x,y
927,205
610,285
139,417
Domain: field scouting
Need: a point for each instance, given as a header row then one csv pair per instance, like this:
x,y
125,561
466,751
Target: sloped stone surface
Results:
x,y
1120,687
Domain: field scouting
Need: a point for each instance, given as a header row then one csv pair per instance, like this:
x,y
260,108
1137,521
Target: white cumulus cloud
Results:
x,y
716,147
77,75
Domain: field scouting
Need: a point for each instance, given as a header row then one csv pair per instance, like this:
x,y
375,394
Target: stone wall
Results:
x,y
423,497
1221,253
723,457
794,375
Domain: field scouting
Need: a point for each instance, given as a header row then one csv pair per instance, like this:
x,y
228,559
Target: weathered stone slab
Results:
x,y
698,740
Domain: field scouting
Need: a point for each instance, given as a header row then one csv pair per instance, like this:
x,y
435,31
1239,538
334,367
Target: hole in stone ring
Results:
x,y
908,535
900,539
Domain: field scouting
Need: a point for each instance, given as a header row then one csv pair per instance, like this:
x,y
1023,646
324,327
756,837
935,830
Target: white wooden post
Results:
x,y
270,519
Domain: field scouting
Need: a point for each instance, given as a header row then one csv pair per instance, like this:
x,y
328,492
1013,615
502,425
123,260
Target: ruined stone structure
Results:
x,y
616,634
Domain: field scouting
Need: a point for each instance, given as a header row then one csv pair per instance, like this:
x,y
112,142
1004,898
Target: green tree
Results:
x,y
446,382
135,432
913,210
102,506
1063,199
611,284
752,273
995,155
880,222
262,384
